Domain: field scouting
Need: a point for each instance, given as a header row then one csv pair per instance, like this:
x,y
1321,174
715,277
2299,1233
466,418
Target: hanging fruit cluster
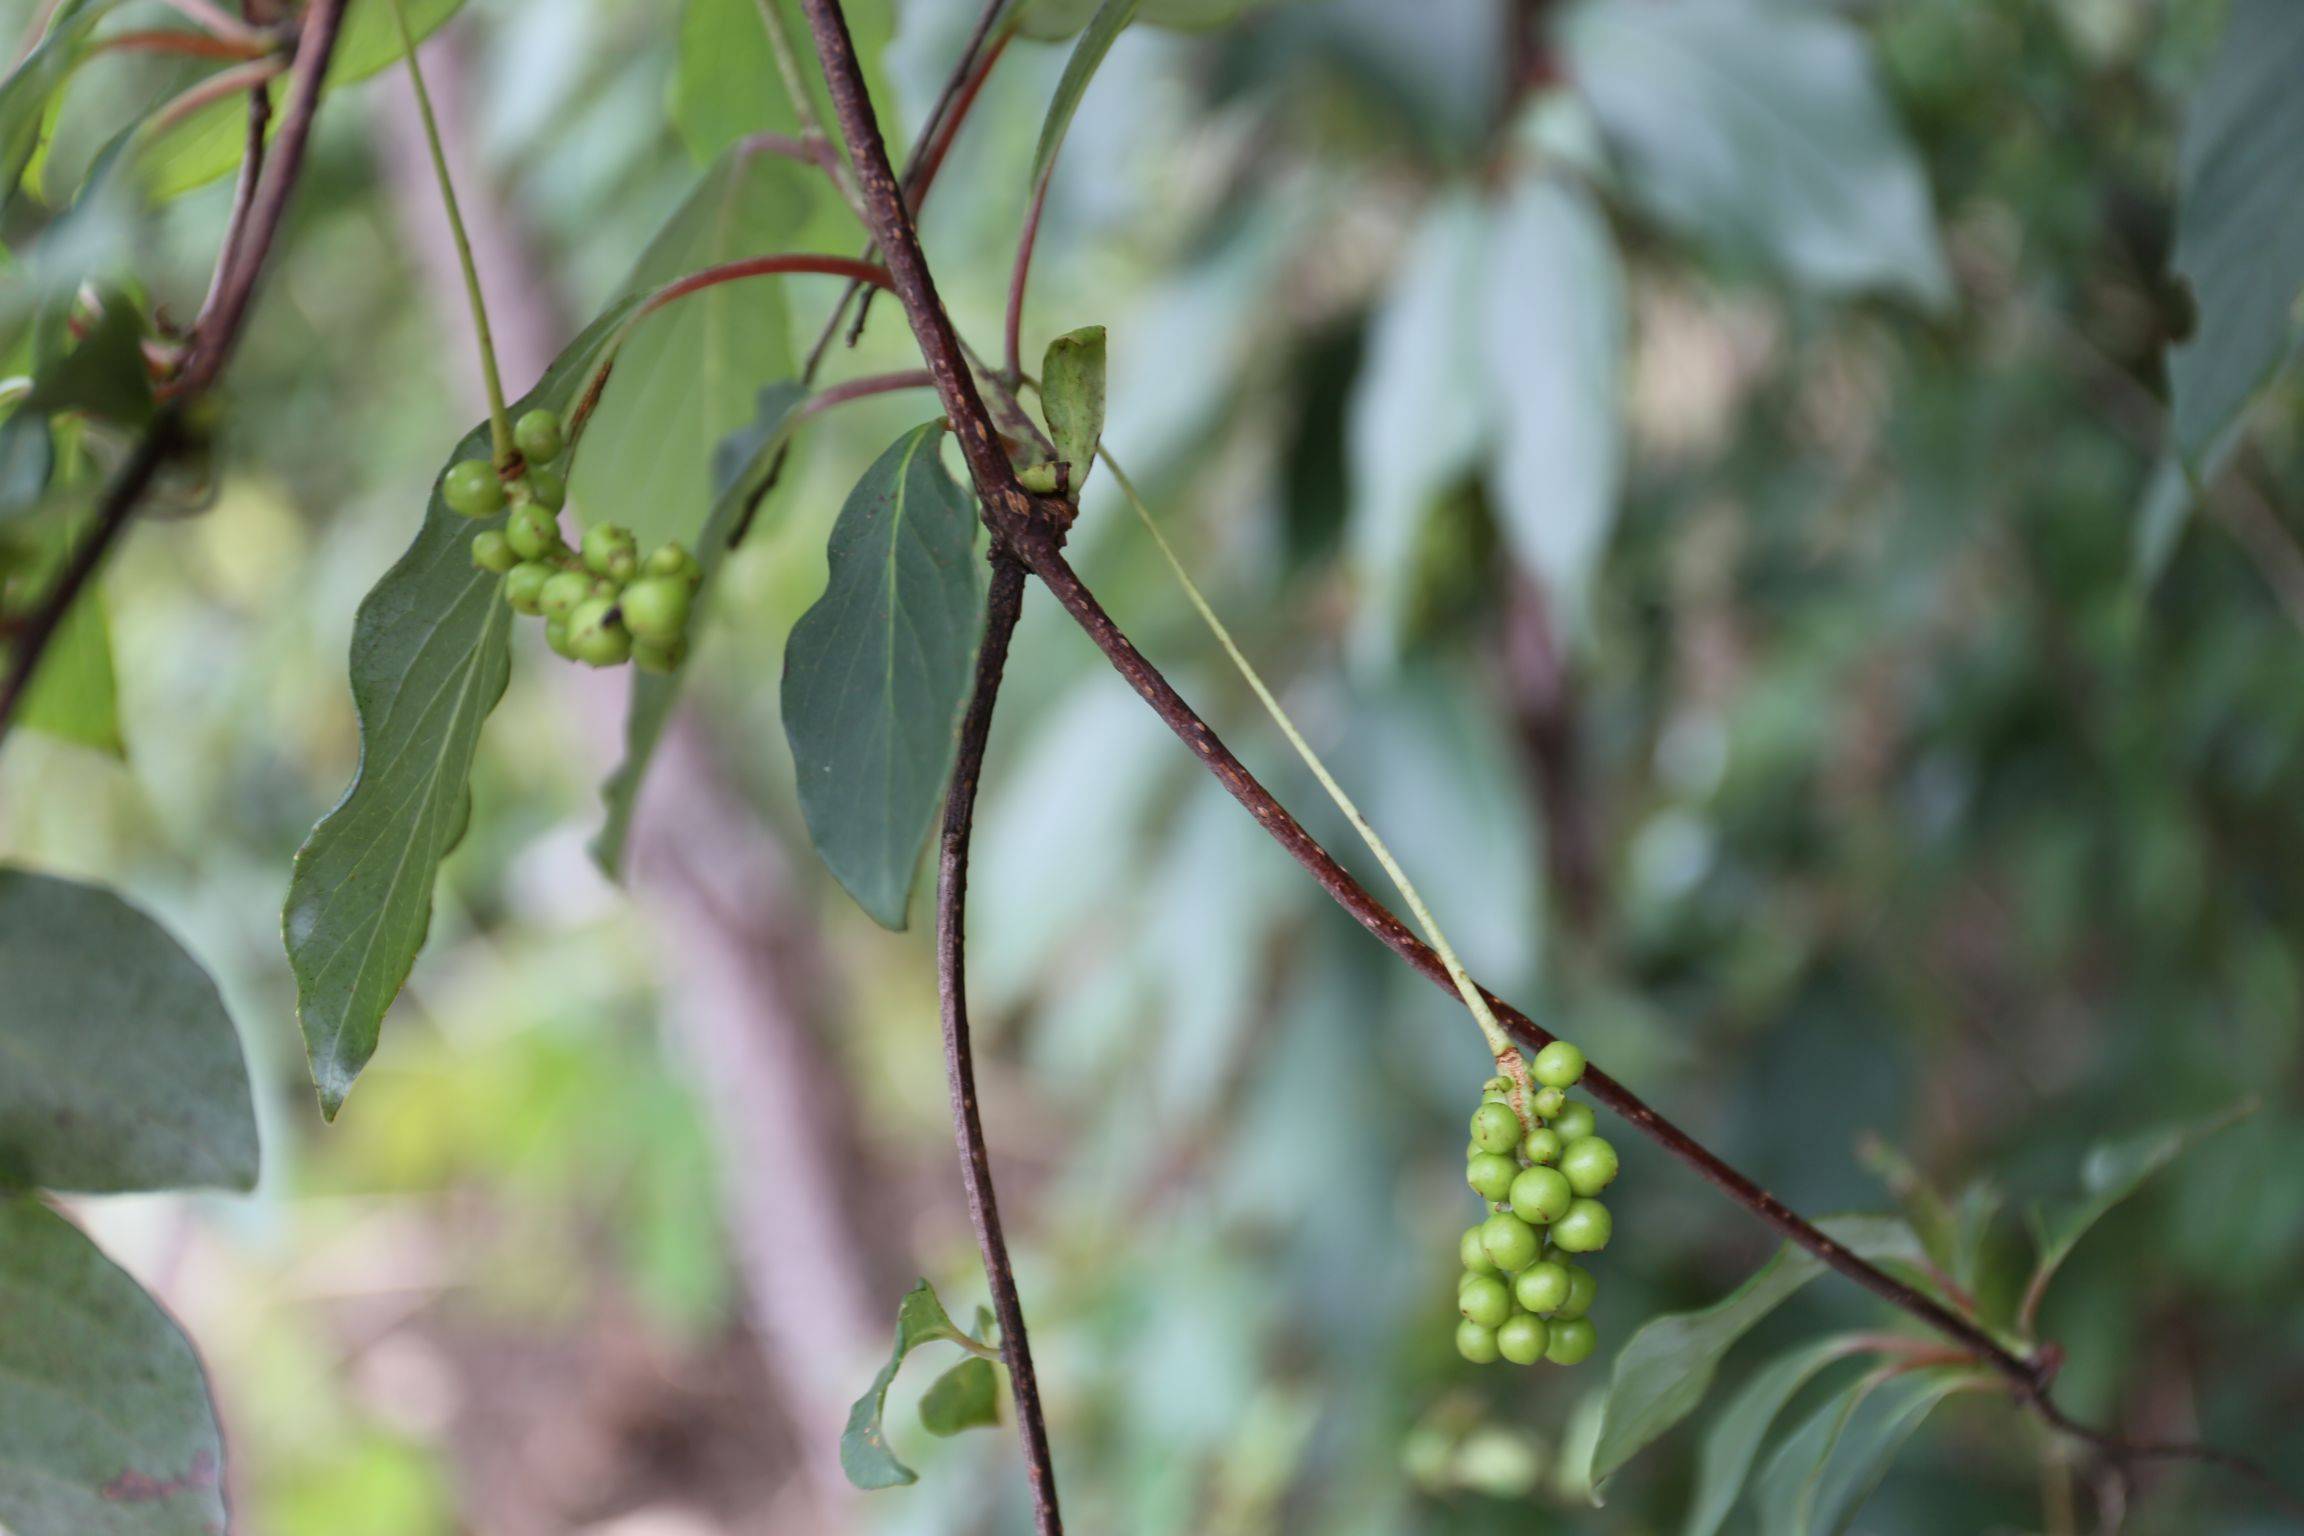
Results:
x,y
601,603
1523,1297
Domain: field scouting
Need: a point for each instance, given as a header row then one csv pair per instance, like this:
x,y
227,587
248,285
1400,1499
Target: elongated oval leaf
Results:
x,y
687,376
1824,1471
430,656
741,469
1665,1369
106,1428
28,90
119,1068
877,671
2240,222
1760,128
1096,40
1732,1441
1555,360
964,1397
1072,398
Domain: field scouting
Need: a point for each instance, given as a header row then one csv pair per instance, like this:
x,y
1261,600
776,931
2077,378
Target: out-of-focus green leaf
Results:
x,y
431,650
1761,128
1554,328
2240,222
1665,1369
1096,40
964,1397
726,84
877,671
1055,20
1824,1471
106,1428
1419,410
864,1453
123,1071
1072,398
103,374
1732,1438
2114,1171
741,470
687,375
31,87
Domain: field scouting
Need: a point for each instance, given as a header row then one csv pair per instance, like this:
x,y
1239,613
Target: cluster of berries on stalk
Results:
x,y
1523,1298
602,604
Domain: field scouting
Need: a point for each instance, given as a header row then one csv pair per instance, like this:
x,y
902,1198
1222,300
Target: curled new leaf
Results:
x,y
1072,398
920,1319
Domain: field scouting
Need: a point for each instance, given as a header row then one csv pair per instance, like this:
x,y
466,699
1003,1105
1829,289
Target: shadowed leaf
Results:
x,y
964,1397
864,1453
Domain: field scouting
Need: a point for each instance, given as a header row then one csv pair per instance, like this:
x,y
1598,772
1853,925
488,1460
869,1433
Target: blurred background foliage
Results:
x,y
1878,778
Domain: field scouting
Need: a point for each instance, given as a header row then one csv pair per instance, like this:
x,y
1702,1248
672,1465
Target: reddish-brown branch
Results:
x,y
174,40
1018,276
951,111
863,388
765,266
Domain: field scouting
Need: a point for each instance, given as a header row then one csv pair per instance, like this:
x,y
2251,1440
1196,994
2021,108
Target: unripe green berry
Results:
x,y
1572,1341
1490,1174
1558,1065
595,634
533,533
659,656
1590,1164
524,586
611,551
1585,1228
656,607
1495,1128
1474,1254
548,488
1541,1145
1542,1286
491,551
556,636
1475,1343
1574,1122
672,560
1511,1243
1582,1287
537,436
1546,1102
1522,1339
1541,1195
471,489
1484,1300
563,591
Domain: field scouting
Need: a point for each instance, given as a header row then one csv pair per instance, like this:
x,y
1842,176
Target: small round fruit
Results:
x,y
491,551
563,592
1581,1289
1558,1065
556,636
1490,1174
537,436
1543,1287
1497,1084
524,586
655,656
1585,1228
1572,1341
1574,1122
533,532
597,636
1522,1339
1590,1164
1541,1145
547,487
1511,1242
471,489
1475,1343
611,551
656,607
1474,1253
1496,1128
672,560
1484,1300
1541,1195
1546,1102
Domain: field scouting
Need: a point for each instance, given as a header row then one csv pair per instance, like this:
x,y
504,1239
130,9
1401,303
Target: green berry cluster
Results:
x,y
601,603
1522,1297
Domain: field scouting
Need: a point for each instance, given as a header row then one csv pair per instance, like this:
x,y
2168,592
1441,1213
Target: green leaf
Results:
x,y
864,1453
430,656
1103,29
686,377
2111,1173
964,1397
725,85
1821,1475
30,88
104,375
119,1068
2240,223
1759,127
1732,1440
1665,1369
877,671
106,1428
74,696
1054,20
1072,398
741,468
1554,327
1419,411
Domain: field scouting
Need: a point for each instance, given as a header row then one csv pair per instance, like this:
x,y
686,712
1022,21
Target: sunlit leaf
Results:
x,y
964,1397
864,1452
2240,222
725,84
1072,398
430,656
1732,1438
1819,1478
877,671
1096,40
